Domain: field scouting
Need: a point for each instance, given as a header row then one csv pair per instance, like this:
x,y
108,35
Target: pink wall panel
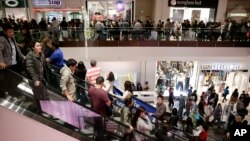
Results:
x,y
15,127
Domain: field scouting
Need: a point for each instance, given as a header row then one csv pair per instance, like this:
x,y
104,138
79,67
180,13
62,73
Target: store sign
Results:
x,y
238,15
47,3
193,3
15,3
220,67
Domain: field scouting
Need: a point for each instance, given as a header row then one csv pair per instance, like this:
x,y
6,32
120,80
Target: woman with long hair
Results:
x,y
80,73
234,96
128,92
142,123
109,83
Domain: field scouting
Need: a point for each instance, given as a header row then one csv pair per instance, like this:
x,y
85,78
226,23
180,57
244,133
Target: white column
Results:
x,y
157,11
150,74
221,10
30,9
143,72
161,10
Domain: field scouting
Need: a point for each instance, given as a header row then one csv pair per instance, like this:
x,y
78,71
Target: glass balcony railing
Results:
x,y
196,37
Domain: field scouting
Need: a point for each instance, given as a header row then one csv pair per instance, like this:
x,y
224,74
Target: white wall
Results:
x,y
17,12
217,54
142,60
15,127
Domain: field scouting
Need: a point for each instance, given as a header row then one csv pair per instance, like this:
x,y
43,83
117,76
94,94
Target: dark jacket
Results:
x,y
34,66
6,53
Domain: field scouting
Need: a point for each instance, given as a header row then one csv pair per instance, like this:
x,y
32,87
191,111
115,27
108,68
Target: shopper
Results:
x,y
160,108
67,82
56,58
171,98
109,83
174,118
98,97
34,65
10,54
80,73
225,93
47,47
93,73
189,126
100,103
139,87
234,96
194,96
128,92
217,114
126,118
145,87
142,123
181,105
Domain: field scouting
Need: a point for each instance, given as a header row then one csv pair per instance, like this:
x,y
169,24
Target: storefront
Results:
x,y
110,9
239,14
192,10
234,75
180,75
57,8
16,9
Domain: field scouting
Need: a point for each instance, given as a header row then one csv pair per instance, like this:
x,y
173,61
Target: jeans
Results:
x,y
179,86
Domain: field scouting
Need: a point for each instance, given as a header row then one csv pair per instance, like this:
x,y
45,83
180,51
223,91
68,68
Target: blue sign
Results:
x,y
137,102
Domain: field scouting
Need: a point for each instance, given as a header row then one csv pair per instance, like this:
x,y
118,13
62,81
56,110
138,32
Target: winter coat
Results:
x,y
34,66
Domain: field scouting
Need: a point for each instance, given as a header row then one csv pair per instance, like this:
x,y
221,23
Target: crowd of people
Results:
x,y
119,29
208,111
30,59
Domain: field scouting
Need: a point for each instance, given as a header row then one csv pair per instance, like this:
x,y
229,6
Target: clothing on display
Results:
x,y
176,74
220,79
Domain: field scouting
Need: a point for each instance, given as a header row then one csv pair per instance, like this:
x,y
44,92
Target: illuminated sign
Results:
x,y
15,3
193,3
220,67
12,3
47,3
119,6
238,15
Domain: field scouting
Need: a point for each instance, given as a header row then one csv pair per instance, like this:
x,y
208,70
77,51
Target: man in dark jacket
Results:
x,y
34,65
10,54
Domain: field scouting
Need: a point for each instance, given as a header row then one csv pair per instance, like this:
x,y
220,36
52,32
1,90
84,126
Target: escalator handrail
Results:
x,y
112,95
47,122
117,122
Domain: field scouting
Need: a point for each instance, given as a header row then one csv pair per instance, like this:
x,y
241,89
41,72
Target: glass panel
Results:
x,y
72,115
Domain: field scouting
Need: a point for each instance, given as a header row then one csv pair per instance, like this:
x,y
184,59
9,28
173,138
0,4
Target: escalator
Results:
x,y
116,101
178,133
77,121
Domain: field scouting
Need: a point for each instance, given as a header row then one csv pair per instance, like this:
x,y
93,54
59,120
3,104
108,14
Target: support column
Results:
x,y
221,10
143,72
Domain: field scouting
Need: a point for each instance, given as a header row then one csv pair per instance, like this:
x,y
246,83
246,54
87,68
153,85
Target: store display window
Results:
x,y
179,75
111,9
224,76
